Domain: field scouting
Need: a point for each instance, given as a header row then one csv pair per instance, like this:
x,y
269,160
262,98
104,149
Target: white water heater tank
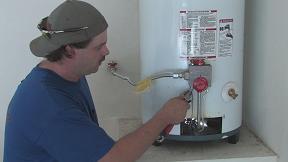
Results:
x,y
174,36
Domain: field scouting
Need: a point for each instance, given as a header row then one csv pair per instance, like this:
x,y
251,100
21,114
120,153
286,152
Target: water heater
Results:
x,y
194,45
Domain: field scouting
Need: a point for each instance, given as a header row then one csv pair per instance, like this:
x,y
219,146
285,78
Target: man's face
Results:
x,y
89,59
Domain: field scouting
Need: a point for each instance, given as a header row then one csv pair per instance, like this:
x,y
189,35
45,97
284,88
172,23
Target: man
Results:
x,y
51,117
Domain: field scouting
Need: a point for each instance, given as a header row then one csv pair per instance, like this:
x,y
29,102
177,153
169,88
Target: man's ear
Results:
x,y
70,51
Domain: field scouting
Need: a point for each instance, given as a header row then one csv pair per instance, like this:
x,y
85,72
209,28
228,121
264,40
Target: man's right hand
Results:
x,y
174,110
130,147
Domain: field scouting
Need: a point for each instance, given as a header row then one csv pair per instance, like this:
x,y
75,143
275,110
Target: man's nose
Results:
x,y
105,50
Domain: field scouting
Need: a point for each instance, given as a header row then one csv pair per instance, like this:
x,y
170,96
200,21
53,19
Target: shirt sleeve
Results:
x,y
72,137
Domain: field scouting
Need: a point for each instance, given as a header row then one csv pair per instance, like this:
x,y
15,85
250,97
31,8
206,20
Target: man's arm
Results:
x,y
130,147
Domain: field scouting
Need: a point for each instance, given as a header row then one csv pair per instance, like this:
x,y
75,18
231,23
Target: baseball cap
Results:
x,y
71,22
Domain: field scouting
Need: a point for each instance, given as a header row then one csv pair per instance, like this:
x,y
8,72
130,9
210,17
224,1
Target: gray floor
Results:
x,y
248,149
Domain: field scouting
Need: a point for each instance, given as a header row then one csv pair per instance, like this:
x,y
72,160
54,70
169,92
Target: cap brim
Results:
x,y
41,46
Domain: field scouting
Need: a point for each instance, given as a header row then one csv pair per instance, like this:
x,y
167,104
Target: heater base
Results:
x,y
231,137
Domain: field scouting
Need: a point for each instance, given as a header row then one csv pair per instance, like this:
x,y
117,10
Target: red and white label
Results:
x,y
225,37
197,34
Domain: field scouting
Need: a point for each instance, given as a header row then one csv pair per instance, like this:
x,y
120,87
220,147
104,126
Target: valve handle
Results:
x,y
198,62
112,65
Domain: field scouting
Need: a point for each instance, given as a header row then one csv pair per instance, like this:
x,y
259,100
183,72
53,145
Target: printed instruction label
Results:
x,y
225,37
197,35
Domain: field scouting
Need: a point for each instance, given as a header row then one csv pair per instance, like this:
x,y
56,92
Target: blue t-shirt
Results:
x,y
50,119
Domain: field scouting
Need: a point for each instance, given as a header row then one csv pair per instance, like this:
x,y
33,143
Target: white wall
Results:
x,y
112,96
266,78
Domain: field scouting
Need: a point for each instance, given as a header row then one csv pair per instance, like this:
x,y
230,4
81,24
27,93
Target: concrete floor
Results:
x,y
248,149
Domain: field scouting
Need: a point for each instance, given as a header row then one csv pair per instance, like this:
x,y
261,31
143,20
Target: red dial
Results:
x,y
200,84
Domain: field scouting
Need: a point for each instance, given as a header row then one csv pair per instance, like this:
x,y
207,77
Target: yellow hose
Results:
x,y
143,85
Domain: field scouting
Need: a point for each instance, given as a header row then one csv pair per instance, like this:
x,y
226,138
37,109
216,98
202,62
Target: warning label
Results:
x,y
197,35
225,37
